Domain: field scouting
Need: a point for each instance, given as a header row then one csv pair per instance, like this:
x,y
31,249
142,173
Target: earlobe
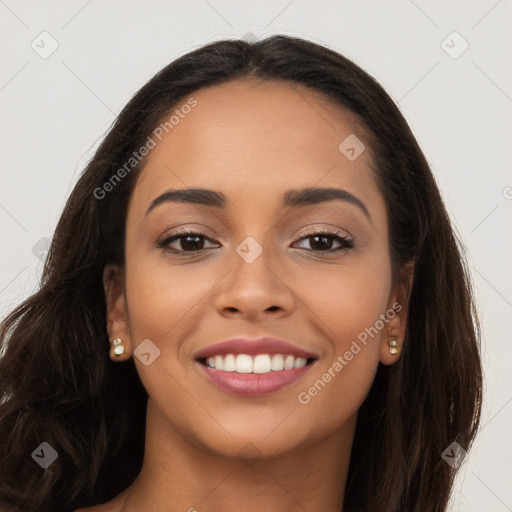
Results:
x,y
393,339
390,351
116,313
117,350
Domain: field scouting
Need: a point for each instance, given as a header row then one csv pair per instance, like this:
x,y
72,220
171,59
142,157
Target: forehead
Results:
x,y
256,138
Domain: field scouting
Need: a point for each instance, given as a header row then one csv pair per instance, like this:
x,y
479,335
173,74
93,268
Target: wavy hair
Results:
x,y
57,383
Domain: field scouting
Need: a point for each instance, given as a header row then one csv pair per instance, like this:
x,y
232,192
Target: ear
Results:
x,y
117,311
392,342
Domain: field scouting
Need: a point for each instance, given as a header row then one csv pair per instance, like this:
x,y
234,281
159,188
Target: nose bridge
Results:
x,y
252,264
254,285
249,250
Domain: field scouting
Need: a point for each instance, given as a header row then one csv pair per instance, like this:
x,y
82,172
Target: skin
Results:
x,y
253,141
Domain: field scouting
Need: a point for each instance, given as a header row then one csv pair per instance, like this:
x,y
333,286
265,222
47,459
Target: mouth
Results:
x,y
255,364
254,367
252,376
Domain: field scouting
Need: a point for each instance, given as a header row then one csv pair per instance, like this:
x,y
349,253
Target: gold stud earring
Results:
x,y
393,347
117,347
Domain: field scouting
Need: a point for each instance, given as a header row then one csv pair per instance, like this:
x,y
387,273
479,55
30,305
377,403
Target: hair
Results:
x,y
58,384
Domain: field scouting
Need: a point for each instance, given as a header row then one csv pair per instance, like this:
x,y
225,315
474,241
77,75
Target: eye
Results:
x,y
185,241
189,241
323,241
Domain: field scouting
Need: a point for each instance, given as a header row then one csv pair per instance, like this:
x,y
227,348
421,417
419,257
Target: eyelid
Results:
x,y
331,230
343,238
183,231
188,230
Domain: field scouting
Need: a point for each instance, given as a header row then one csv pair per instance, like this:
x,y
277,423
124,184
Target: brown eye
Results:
x,y
187,241
323,242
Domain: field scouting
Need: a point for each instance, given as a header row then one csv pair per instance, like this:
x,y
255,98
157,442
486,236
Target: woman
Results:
x,y
254,300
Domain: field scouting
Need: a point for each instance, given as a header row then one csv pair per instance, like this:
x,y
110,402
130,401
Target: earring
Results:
x,y
117,347
393,347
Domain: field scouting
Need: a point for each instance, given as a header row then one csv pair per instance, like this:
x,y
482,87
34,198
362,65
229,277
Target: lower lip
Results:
x,y
254,384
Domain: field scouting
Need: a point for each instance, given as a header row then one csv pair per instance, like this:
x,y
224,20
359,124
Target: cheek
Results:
x,y
162,298
165,305
343,300
346,298
337,302
348,303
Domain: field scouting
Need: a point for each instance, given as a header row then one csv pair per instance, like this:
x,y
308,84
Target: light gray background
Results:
x,y
55,110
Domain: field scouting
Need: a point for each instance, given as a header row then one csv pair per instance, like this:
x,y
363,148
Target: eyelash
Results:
x,y
345,242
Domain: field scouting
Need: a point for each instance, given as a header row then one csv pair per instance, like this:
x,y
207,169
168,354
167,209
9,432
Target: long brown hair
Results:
x,y
57,383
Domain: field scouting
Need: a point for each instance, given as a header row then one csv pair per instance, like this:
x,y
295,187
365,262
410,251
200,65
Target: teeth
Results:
x,y
277,363
299,362
243,364
261,363
229,364
288,362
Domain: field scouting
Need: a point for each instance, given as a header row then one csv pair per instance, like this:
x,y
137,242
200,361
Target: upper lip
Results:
x,y
253,347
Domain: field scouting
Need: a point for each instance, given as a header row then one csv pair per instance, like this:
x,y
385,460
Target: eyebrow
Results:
x,y
291,198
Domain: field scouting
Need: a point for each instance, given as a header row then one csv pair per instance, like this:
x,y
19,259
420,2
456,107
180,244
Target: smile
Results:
x,y
261,363
252,376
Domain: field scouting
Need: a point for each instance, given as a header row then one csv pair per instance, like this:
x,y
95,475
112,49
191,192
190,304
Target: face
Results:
x,y
260,260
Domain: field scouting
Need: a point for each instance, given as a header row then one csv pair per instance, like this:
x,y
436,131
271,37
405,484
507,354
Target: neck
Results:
x,y
178,474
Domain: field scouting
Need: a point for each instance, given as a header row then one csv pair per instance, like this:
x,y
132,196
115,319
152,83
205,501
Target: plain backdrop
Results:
x,y
68,67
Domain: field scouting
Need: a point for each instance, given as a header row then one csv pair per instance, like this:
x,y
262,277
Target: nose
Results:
x,y
254,290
